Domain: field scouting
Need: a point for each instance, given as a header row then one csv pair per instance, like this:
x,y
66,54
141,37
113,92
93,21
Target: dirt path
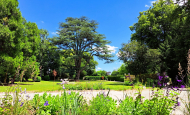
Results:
x,y
88,95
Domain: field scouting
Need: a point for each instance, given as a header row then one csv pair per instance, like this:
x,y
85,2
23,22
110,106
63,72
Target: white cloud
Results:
x,y
181,2
152,2
113,48
124,52
54,33
42,21
99,68
147,6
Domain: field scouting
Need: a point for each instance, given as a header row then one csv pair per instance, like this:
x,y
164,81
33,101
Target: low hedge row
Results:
x,y
95,78
116,79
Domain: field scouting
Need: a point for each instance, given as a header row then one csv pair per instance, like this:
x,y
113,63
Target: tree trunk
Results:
x,y
14,78
41,71
5,77
78,74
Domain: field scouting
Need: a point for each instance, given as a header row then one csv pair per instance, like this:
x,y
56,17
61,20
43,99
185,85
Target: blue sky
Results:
x,y
114,18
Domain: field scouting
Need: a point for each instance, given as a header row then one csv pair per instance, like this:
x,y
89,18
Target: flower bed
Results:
x,y
73,103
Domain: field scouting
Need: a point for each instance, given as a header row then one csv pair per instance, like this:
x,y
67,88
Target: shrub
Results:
x,y
38,79
149,82
46,78
17,79
128,83
30,80
105,77
93,77
116,79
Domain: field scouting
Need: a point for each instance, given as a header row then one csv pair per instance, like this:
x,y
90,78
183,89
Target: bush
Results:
x,y
128,83
17,79
38,79
46,78
116,78
93,77
30,79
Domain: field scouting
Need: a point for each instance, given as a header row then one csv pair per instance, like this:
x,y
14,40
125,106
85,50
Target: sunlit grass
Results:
x,y
44,86
36,86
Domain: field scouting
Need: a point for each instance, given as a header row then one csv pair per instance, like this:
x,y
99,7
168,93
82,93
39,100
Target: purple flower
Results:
x,y
69,92
63,82
63,87
38,107
153,85
159,84
179,80
182,86
19,100
28,96
104,94
22,104
178,103
46,103
25,91
160,77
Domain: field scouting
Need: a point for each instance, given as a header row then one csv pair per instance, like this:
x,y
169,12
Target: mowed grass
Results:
x,y
47,86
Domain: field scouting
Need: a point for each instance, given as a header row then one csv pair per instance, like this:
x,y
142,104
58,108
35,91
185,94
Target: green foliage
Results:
x,y
77,32
116,79
114,73
93,78
164,27
65,102
73,103
138,58
86,86
82,74
11,39
38,79
128,83
122,70
157,105
102,104
109,76
101,72
46,78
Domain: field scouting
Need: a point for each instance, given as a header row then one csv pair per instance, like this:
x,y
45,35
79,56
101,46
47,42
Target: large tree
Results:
x,y
80,35
165,27
43,49
31,35
68,63
138,57
123,69
11,40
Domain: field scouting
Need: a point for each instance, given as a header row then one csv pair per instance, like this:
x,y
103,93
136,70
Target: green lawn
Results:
x,y
52,86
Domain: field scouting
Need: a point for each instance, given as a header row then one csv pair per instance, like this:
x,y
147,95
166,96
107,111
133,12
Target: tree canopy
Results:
x,y
165,27
80,35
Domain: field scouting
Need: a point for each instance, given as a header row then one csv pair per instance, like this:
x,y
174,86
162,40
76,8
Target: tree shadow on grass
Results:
x,y
15,84
54,81
115,84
